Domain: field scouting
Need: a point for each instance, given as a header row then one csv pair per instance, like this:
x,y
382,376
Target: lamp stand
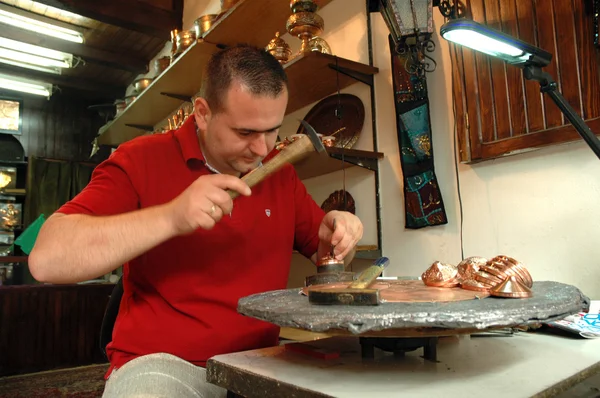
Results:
x,y
549,86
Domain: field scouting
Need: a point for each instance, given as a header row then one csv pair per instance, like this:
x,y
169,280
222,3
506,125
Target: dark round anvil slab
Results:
x,y
288,308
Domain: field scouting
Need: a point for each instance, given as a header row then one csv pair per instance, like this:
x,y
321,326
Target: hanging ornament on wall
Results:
x,y
339,200
422,195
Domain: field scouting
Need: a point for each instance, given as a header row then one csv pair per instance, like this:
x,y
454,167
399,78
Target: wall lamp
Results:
x,y
522,55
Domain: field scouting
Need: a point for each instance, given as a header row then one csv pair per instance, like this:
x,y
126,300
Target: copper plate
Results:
x,y
410,291
346,130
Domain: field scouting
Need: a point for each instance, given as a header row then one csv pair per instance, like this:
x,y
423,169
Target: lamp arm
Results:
x,y
549,86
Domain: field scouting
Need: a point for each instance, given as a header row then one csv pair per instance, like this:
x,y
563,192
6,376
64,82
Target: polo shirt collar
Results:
x,y
187,136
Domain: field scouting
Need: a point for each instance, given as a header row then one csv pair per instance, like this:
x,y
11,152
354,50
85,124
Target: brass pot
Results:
x,y
227,4
185,39
129,99
278,48
204,23
120,106
303,6
142,83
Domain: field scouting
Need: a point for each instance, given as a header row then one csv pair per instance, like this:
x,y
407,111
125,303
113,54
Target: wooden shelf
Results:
x,y
182,78
314,76
317,165
13,259
311,77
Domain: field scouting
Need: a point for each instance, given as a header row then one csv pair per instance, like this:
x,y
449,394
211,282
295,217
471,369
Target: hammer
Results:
x,y
357,293
292,153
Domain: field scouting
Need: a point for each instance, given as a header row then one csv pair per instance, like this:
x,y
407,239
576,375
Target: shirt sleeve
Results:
x,y
308,219
110,190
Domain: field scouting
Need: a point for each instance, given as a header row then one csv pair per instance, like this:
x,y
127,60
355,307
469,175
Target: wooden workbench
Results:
x,y
521,365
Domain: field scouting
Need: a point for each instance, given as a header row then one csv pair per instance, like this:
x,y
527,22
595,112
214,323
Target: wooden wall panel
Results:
x,y
503,112
59,128
45,327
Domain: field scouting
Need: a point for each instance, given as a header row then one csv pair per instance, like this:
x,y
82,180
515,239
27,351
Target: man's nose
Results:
x,y
259,145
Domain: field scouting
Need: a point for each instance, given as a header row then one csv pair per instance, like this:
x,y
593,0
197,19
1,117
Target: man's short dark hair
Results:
x,y
257,69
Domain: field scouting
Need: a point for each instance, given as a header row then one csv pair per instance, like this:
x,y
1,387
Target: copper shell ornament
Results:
x,y
500,276
511,288
441,275
470,265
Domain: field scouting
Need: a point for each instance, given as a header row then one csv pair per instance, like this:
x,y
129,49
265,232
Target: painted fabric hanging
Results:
x,y
422,197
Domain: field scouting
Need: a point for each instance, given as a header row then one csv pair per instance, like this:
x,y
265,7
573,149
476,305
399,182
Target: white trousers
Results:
x,y
160,375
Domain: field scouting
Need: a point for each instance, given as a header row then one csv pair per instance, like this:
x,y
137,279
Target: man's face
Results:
x,y
238,138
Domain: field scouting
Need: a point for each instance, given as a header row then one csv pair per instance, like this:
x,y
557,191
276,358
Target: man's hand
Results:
x,y
205,202
348,231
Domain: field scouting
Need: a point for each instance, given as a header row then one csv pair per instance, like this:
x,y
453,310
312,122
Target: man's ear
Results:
x,y
202,113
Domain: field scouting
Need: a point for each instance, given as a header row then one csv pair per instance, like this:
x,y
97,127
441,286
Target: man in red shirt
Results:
x,y
159,207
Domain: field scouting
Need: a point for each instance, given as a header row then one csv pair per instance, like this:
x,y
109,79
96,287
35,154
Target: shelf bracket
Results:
x,y
361,77
367,163
140,126
181,97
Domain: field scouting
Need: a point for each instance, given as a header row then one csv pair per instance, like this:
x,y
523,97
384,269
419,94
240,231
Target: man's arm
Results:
x,y
77,247
74,248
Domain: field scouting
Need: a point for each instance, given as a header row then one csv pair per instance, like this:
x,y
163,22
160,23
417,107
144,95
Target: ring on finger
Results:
x,y
213,209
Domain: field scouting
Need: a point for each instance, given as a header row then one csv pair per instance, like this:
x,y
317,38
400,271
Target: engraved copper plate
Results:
x,y
410,291
346,130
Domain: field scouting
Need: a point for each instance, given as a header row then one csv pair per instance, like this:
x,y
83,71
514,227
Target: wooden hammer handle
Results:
x,y
292,153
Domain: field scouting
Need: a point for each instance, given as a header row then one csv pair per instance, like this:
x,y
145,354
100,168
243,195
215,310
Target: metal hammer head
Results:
x,y
314,138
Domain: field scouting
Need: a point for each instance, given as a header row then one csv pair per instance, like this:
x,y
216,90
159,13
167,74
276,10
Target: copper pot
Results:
x,y
162,63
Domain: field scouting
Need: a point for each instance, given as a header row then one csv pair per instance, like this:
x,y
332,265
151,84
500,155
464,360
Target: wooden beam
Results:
x,y
106,90
134,15
89,54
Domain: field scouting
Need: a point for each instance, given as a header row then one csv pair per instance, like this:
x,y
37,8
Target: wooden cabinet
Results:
x,y
498,112
46,327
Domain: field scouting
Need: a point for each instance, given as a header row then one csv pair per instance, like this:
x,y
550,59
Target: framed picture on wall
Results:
x,y
11,115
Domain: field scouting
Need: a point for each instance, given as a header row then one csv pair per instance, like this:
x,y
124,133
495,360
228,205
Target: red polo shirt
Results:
x,y
181,296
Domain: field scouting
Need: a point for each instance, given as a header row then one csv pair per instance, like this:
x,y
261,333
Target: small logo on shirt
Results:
x,y
268,212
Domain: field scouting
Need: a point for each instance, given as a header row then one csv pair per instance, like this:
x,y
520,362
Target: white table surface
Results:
x,y
522,365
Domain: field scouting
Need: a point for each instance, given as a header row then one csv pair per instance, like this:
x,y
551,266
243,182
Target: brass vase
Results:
x,y
305,24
